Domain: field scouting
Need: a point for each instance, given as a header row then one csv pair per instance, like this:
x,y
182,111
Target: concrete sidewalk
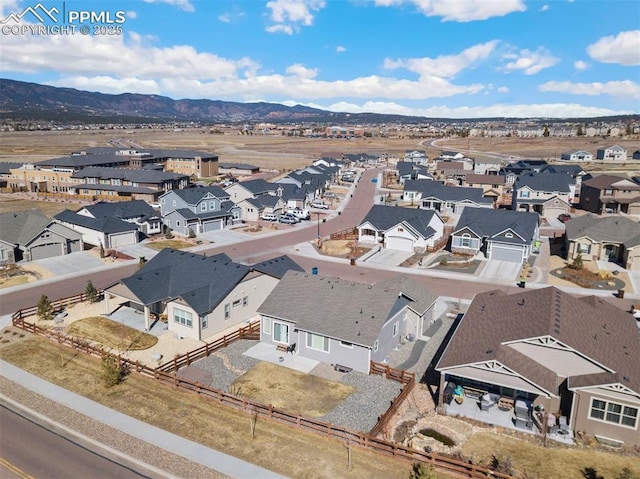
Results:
x,y
162,439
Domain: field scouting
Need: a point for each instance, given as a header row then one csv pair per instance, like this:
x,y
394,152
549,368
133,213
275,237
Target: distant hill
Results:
x,y
32,101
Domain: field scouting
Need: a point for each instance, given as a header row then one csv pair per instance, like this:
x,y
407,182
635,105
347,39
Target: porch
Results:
x,y
270,353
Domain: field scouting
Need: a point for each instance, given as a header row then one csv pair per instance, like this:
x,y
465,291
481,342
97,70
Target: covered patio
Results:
x,y
269,353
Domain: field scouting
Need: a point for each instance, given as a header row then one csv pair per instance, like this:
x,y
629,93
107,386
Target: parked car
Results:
x,y
320,205
564,217
289,219
269,217
329,194
300,213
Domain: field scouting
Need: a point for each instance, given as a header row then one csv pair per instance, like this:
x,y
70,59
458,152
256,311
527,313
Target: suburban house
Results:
x,y
452,172
137,212
200,209
419,157
105,231
610,194
328,161
522,167
549,194
572,357
613,153
30,235
412,171
575,171
492,185
578,155
296,196
403,229
605,238
254,208
242,190
446,200
451,155
315,183
199,295
343,323
486,166
237,169
503,235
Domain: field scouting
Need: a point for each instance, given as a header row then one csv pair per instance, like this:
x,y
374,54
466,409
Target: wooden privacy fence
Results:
x,y
365,440
252,331
408,380
347,234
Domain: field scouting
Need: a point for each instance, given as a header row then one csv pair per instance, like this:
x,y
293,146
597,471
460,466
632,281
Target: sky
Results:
x,y
431,58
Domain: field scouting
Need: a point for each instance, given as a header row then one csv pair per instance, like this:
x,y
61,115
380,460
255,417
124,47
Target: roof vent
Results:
x,y
521,303
360,310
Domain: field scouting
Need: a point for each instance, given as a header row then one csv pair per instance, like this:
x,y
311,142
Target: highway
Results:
x,y
30,451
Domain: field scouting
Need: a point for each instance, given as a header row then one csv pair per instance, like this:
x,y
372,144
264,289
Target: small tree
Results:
x,y
169,233
142,262
580,131
577,262
45,308
102,254
504,466
112,371
422,471
91,292
546,132
192,233
627,473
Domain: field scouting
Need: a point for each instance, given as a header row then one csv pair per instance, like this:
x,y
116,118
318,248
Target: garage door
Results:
x,y
212,225
399,243
503,253
46,251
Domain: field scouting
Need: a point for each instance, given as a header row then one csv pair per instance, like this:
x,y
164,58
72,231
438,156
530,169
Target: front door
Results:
x,y
281,333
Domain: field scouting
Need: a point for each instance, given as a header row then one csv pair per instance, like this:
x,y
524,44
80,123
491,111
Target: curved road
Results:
x,y
32,451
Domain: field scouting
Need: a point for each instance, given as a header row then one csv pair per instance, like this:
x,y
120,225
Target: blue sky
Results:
x,y
434,58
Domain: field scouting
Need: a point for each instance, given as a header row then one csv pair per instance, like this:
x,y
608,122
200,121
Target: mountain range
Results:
x,y
24,101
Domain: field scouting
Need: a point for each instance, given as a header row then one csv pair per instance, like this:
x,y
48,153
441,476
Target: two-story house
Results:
x,y
419,157
492,185
446,200
486,166
610,194
549,194
137,212
199,210
577,155
612,153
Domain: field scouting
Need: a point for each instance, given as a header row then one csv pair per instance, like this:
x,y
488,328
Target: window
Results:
x,y
204,321
524,194
584,248
317,342
212,205
183,317
236,303
266,325
227,311
174,202
465,241
346,344
245,301
281,332
375,346
395,330
203,207
614,413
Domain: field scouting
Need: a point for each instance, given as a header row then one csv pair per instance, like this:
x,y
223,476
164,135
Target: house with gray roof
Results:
x,y
576,155
612,153
242,190
403,229
106,231
412,171
604,238
610,194
487,166
237,168
419,157
549,194
571,357
503,235
137,212
30,235
254,208
341,322
199,209
218,294
445,199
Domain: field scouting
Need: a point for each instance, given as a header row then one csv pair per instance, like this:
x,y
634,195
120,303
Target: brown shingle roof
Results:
x,y
590,325
603,181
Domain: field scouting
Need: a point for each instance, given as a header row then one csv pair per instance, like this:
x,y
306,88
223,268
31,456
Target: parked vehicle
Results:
x,y
320,205
329,194
269,217
300,213
289,219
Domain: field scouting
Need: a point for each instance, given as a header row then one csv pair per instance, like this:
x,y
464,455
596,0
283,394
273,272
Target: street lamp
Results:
x,y
318,215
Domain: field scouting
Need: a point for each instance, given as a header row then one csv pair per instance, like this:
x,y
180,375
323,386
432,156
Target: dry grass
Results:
x,y
10,204
111,334
292,391
14,281
546,463
286,450
162,244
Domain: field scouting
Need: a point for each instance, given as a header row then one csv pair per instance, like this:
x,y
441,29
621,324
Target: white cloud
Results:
x,y
530,62
580,65
444,66
544,8
181,4
340,49
131,15
621,89
461,10
225,18
503,89
301,71
289,15
231,17
624,48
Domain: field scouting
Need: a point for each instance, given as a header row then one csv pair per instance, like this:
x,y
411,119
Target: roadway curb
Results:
x,y
85,442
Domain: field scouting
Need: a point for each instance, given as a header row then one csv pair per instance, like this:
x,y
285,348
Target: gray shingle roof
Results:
x,y
193,195
130,174
384,217
116,188
20,227
277,267
105,224
615,229
257,186
486,222
122,210
6,166
545,182
435,189
345,310
590,325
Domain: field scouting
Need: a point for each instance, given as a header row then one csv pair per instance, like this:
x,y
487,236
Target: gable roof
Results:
x,y
345,310
485,179
192,196
104,224
277,267
590,325
122,209
437,190
545,182
143,175
486,222
20,228
384,217
257,186
615,229
606,181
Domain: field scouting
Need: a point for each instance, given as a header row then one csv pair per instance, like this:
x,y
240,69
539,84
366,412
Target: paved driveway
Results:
x,y
70,263
389,257
500,270
224,236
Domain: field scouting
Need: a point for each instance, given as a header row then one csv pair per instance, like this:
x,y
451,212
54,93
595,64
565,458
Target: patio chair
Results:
x,y
563,427
291,348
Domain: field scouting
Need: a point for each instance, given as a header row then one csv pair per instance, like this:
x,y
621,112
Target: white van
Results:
x,y
269,217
